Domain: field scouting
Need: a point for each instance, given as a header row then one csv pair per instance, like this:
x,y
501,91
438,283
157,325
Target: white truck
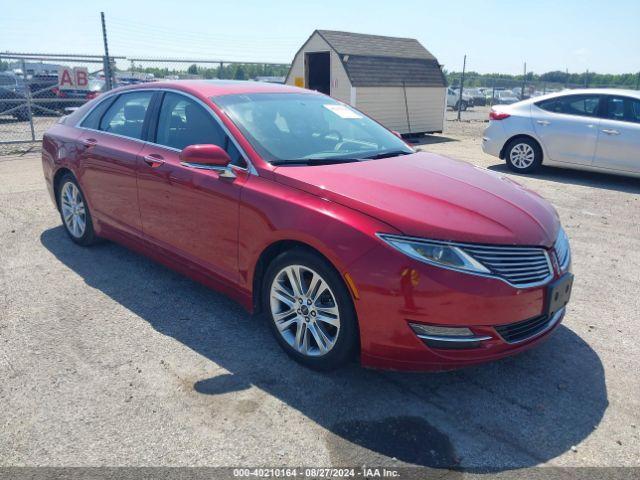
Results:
x,y
454,101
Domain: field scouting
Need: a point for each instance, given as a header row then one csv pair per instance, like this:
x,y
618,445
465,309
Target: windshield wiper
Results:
x,y
329,161
314,161
393,153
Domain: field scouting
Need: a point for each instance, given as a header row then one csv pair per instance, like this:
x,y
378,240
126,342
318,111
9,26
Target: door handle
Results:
x,y
153,160
544,123
89,142
610,131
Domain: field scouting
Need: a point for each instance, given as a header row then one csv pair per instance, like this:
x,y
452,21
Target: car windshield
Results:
x,y
306,127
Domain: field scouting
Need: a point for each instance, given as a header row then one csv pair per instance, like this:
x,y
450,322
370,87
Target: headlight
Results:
x,y
563,250
436,253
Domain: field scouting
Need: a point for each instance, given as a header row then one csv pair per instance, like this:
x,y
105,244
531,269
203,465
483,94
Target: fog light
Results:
x,y
434,330
447,337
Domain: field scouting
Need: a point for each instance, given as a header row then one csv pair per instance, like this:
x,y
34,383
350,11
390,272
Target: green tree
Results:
x,y
240,73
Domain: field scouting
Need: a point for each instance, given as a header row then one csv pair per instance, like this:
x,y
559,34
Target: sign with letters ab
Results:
x,y
76,78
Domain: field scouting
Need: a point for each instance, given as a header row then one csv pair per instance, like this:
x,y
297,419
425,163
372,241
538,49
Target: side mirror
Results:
x,y
397,134
205,155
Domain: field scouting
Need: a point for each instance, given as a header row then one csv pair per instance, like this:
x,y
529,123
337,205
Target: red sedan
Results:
x,y
301,207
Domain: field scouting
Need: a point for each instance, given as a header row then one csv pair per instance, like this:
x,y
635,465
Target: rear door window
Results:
x,y
126,115
634,111
579,105
92,120
623,109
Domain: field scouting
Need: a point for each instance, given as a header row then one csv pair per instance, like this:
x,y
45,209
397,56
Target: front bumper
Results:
x,y
395,291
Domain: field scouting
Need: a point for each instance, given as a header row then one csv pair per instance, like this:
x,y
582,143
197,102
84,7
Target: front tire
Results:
x,y
310,310
461,105
523,155
74,212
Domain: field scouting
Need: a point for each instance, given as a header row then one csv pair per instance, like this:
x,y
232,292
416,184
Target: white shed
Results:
x,y
394,80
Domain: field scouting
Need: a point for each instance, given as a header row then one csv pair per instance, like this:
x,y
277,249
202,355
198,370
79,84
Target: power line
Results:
x,y
151,41
168,40
190,46
164,33
162,29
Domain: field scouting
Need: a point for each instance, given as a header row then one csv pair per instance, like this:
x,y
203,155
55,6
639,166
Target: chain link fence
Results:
x,y
166,69
480,92
31,99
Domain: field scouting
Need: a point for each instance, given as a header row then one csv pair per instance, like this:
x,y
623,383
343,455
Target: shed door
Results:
x,y
318,71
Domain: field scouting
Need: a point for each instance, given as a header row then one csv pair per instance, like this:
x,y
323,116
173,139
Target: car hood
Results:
x,y
430,196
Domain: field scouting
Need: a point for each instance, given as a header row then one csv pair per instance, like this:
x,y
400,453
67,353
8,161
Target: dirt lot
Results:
x,y
109,359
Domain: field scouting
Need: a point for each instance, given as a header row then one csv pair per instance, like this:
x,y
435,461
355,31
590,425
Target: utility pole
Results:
x,y
586,79
464,66
108,77
524,81
638,81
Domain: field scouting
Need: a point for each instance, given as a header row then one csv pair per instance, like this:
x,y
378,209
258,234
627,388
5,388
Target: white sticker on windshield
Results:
x,y
342,111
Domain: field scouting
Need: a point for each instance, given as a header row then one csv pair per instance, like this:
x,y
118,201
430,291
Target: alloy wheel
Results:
x,y
304,310
73,210
522,155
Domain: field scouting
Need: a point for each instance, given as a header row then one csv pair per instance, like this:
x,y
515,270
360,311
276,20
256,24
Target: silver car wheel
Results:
x,y
305,310
73,210
522,155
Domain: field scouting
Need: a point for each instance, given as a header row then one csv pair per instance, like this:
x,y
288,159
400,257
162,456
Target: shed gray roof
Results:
x,y
346,43
376,61
389,72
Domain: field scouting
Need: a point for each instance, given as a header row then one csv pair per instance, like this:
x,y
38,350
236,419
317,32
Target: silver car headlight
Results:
x,y
440,254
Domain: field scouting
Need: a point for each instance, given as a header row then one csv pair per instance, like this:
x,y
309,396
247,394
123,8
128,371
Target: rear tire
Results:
x,y
523,155
74,212
309,310
461,105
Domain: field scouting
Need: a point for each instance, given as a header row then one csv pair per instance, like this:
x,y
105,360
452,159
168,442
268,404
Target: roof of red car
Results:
x,y
214,88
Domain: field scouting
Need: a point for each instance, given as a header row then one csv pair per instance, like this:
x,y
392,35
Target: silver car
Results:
x,y
588,129
505,97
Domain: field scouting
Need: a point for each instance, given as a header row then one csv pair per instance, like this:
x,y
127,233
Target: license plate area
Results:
x,y
559,293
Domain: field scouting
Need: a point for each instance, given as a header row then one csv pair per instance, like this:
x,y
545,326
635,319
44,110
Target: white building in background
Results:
x,y
34,68
393,80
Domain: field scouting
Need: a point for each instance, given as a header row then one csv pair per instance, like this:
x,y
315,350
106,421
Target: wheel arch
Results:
x,y
276,248
271,252
503,153
61,172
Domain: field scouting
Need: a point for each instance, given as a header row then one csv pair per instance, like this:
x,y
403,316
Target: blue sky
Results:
x,y
497,36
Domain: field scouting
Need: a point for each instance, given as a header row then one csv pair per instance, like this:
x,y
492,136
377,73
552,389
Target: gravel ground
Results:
x,y
109,359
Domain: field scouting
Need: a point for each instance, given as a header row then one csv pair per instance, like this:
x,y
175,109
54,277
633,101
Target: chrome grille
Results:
x,y
519,331
519,266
